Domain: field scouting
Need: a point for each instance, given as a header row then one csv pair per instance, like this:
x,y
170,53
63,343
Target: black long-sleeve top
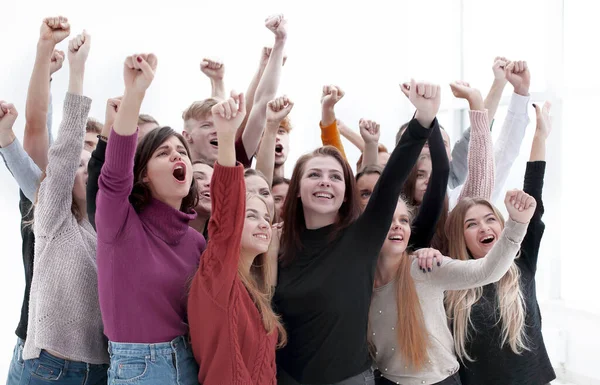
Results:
x,y
94,168
28,247
500,366
324,294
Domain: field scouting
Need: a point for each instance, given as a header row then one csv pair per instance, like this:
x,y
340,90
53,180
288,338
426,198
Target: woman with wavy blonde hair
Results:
x,y
497,328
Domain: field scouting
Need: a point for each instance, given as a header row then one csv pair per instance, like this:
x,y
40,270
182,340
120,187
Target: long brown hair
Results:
x,y
293,213
460,302
439,240
258,286
141,195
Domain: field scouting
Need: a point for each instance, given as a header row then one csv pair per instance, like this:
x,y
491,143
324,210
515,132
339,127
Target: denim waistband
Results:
x,y
135,350
66,364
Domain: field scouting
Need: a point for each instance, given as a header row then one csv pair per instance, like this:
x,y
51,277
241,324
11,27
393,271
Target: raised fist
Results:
x,y
56,61
543,121
79,48
463,90
331,95
518,75
278,109
426,98
229,114
139,70
520,206
369,130
212,68
55,29
112,107
277,25
8,115
500,63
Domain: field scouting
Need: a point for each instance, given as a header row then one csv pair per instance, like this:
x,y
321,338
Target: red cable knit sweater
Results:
x,y
228,337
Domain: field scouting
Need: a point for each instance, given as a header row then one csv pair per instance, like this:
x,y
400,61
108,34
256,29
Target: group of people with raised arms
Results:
x,y
158,257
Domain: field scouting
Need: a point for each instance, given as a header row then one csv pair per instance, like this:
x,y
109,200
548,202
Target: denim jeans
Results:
x,y
152,364
15,370
49,369
365,378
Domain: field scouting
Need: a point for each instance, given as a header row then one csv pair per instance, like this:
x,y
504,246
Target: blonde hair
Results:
x,y
93,126
459,303
199,109
144,118
258,286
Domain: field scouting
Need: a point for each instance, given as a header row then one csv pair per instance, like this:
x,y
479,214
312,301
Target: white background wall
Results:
x,y
367,49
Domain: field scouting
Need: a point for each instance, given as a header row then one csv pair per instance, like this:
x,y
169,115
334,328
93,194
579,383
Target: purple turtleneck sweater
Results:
x,y
145,260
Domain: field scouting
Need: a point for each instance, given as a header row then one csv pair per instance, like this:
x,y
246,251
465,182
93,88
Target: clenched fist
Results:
x,y
79,49
56,61
138,71
8,115
55,29
520,205
331,95
277,24
517,74
426,97
229,114
214,69
500,63
463,90
369,130
278,109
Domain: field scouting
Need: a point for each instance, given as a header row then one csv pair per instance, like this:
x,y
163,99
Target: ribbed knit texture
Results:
x,y
145,260
451,275
64,313
480,176
330,136
229,339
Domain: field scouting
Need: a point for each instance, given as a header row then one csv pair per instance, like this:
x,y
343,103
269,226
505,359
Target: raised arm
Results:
x,y
55,195
219,263
215,71
116,176
267,87
508,145
35,140
351,135
330,136
492,100
277,110
456,274
534,184
424,225
369,131
97,159
480,175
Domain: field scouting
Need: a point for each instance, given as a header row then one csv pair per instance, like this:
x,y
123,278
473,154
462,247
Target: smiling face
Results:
x,y
203,175
481,230
399,234
169,172
322,188
257,231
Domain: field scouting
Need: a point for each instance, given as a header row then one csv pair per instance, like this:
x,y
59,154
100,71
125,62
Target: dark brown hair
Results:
x,y
279,180
293,213
369,170
141,195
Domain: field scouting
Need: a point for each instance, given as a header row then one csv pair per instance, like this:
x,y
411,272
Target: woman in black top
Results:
x,y
502,343
328,256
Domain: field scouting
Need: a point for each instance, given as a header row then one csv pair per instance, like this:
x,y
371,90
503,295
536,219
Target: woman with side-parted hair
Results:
x,y
497,328
147,251
329,253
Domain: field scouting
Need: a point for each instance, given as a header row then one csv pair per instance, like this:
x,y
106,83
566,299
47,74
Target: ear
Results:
x,y
187,137
145,178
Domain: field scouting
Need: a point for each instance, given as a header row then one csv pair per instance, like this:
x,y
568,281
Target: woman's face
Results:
x,y
81,177
481,230
257,227
257,185
169,172
322,187
365,186
279,193
399,234
203,175
423,175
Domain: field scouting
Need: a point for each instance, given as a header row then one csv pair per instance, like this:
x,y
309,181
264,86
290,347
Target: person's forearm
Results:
x,y
370,155
352,136
538,148
6,138
218,89
23,169
35,139
127,117
327,115
265,159
226,151
76,81
249,97
492,100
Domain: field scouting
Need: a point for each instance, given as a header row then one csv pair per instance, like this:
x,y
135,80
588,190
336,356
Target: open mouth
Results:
x,y
179,172
261,236
487,239
323,195
278,150
396,238
214,142
205,194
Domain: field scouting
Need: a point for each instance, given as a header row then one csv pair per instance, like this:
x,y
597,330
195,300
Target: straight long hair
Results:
x,y
459,303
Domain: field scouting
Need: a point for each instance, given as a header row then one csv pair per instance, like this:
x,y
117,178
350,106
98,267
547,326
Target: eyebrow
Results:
x,y
473,219
166,147
331,170
200,173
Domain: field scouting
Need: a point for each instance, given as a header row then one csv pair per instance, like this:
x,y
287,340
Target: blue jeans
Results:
x,y
15,370
49,369
152,364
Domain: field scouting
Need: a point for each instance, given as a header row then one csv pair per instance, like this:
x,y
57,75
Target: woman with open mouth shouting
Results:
x,y
329,254
147,251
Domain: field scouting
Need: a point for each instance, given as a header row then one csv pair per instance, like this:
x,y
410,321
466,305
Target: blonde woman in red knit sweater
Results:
x,y
234,331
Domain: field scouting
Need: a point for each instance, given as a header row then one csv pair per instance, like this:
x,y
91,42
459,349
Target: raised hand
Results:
x,y
277,24
56,61
229,114
112,107
55,29
426,98
463,90
214,69
520,205
369,130
138,71
331,95
8,115
500,63
278,109
517,74
79,49
427,258
543,125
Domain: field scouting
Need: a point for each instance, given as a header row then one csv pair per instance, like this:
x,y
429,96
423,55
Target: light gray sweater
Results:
x,y
451,275
64,312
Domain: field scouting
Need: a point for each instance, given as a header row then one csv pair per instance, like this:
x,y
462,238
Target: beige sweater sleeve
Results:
x,y
455,274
